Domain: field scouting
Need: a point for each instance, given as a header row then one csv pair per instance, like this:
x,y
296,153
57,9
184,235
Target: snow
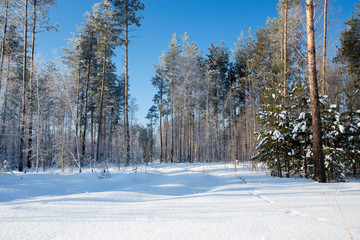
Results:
x,y
175,201
277,135
300,126
302,115
264,140
341,128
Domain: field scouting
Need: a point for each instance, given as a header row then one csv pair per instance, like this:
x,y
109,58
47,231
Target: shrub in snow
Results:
x,y
351,140
332,142
285,142
274,138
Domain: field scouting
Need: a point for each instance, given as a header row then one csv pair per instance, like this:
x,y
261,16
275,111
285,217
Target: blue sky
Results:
x,y
206,22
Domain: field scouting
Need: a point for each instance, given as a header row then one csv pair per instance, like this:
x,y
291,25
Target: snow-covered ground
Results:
x,y
175,201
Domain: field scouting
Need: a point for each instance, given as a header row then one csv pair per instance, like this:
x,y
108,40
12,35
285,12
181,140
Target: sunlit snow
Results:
x,y
184,201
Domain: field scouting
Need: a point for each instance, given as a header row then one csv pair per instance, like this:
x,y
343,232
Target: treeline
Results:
x,y
249,102
252,102
54,117
202,103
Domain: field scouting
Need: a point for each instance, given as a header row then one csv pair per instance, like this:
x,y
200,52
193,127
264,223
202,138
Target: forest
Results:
x,y
277,99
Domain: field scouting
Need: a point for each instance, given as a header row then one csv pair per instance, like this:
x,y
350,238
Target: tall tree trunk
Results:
x,y
80,129
193,137
217,145
4,113
29,156
37,126
323,86
166,127
230,138
172,119
23,112
127,130
161,127
85,110
92,133
285,46
62,163
314,96
208,129
101,105
76,139
198,155
3,43
161,139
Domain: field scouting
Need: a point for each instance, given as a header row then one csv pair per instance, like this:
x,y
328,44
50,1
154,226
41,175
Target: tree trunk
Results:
x,y
29,156
285,46
198,155
166,137
127,130
23,112
172,119
161,139
217,144
83,147
62,164
3,44
161,127
323,86
192,136
76,140
37,126
4,113
92,133
314,96
101,105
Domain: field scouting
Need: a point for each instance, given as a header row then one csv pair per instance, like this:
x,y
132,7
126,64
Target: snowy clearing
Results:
x,y
175,201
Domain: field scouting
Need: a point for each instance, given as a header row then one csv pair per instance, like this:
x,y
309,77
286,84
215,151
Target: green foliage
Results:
x,y
349,55
274,148
286,138
127,11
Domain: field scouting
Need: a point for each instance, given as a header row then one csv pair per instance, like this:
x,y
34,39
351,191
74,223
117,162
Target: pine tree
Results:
x,y
314,96
218,63
171,57
348,54
103,22
159,82
127,16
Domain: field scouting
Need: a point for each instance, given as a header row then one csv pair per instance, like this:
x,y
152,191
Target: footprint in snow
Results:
x,y
257,194
291,212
